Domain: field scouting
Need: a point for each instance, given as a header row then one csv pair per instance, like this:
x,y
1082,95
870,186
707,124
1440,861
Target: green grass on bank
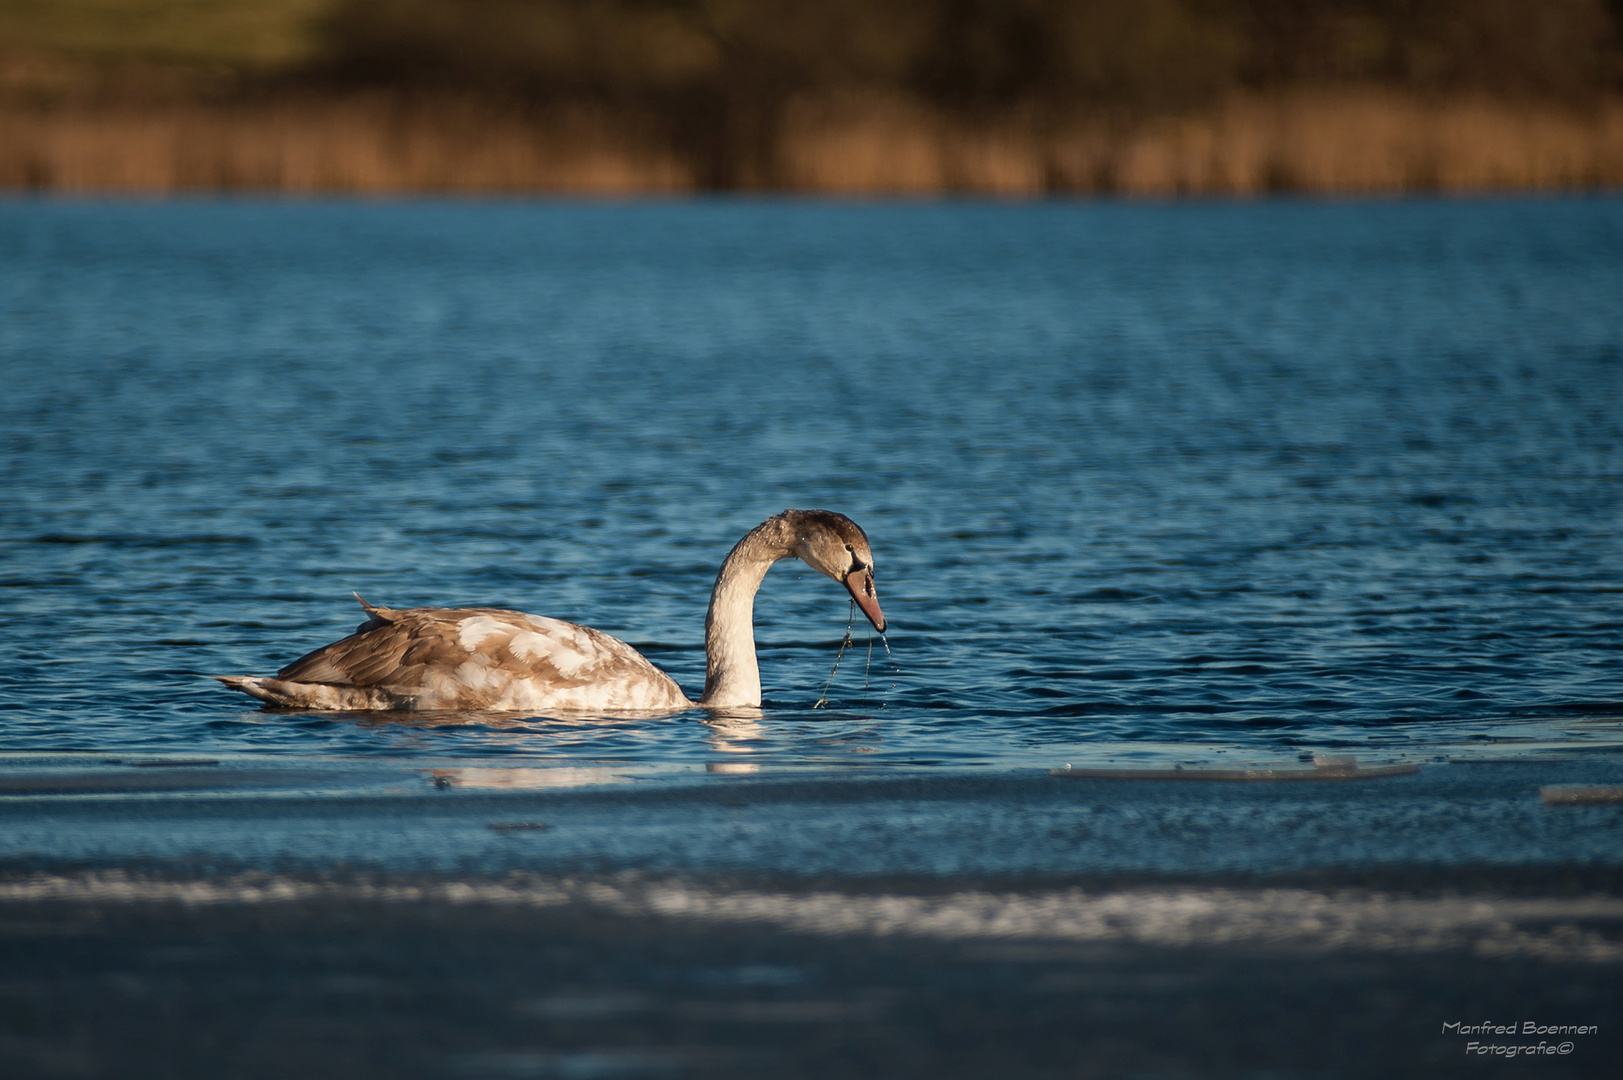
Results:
x,y
247,35
1152,53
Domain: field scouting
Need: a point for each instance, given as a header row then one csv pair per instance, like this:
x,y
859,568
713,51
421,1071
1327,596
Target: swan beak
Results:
x,y
859,583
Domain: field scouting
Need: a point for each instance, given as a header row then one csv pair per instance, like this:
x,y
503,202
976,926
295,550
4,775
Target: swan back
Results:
x,y
471,658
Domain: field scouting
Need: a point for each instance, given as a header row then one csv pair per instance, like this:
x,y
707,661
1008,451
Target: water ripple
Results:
x,y
1132,477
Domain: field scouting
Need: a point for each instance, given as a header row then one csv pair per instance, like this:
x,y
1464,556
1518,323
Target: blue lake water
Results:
x,y
1147,485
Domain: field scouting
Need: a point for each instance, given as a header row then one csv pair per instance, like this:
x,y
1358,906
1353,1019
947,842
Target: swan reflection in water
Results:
x,y
728,733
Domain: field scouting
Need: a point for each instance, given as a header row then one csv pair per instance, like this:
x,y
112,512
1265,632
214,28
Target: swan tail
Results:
x,y
303,695
251,685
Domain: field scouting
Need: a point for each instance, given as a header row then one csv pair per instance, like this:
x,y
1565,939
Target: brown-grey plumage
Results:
x,y
488,658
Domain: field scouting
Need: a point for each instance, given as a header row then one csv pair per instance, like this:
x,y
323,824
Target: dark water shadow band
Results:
x,y
1335,772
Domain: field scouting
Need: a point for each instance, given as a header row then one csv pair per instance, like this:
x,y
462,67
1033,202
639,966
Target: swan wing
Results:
x,y
472,658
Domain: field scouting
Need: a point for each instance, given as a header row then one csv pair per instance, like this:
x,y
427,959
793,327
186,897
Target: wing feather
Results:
x,y
469,658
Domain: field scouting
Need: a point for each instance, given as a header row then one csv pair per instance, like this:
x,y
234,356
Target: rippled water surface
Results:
x,y
1145,483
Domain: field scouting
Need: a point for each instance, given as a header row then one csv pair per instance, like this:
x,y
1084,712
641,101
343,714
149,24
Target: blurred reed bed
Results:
x,y
1352,141
1143,97
366,144
1321,142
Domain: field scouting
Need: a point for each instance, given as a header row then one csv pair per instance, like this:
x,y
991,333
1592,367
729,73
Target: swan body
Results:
x,y
487,658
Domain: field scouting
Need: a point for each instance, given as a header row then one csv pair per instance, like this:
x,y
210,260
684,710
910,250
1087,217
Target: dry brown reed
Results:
x,y
1349,141
1362,141
366,145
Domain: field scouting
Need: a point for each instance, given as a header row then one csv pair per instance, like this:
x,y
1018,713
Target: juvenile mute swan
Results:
x,y
485,658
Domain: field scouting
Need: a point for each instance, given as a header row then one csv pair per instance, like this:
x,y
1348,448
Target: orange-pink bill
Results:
x,y
859,583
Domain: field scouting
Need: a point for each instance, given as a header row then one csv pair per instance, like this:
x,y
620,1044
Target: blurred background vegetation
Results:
x,y
717,86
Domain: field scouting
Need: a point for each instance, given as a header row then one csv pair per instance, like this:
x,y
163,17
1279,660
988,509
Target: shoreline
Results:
x,y
1576,918
425,983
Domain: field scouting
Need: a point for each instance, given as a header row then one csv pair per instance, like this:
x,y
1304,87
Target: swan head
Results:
x,y
835,545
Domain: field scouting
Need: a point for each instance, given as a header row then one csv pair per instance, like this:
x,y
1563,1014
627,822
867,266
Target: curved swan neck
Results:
x,y
732,676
